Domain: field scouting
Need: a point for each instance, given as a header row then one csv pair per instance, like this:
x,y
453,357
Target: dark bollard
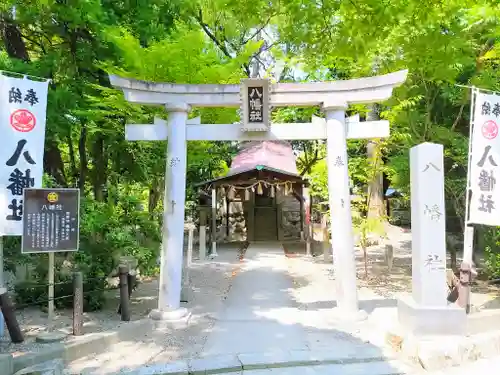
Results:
x,y
77,304
16,336
124,303
131,280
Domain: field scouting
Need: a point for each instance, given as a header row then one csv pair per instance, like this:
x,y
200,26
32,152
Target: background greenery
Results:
x,y
76,43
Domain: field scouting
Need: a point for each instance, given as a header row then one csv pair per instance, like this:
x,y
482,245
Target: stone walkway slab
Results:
x,y
259,311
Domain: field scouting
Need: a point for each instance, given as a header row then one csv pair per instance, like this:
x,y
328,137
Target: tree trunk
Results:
x,y
72,159
154,195
99,172
82,150
53,163
12,38
480,233
376,202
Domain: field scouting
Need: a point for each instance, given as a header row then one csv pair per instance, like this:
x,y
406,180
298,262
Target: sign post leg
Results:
x,y
51,288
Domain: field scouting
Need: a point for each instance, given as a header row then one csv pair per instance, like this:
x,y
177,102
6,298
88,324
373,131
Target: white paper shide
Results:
x,y
23,104
485,161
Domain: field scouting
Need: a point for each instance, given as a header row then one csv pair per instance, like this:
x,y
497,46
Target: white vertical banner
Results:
x,y
484,206
23,105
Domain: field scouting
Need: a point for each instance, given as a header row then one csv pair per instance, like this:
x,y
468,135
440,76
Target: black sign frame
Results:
x,y
259,91
255,92
64,200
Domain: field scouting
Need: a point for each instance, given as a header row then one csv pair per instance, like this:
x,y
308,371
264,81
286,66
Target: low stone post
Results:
x,y
186,284
213,253
124,310
327,246
389,256
203,235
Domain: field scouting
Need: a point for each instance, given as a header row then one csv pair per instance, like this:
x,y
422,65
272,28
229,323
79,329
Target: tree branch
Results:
x,y
39,44
455,123
209,33
259,29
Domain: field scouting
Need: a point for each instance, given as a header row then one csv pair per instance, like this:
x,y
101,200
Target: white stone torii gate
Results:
x,y
334,98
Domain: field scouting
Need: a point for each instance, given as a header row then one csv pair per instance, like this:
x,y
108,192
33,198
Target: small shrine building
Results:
x,y
261,198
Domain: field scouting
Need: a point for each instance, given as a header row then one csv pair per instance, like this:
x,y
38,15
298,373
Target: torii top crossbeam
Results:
x,y
256,97
361,90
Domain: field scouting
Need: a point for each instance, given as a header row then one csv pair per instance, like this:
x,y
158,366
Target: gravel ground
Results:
x,y
34,321
210,283
314,279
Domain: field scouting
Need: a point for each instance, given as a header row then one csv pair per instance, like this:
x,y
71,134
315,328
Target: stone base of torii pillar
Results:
x,y
427,311
177,318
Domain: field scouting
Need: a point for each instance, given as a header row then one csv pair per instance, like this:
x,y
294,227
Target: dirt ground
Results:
x,y
209,283
381,281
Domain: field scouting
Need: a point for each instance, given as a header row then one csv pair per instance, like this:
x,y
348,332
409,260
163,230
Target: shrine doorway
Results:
x,y
265,217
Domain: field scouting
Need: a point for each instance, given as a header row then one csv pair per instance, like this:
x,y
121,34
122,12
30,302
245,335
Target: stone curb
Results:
x,y
53,367
95,343
218,364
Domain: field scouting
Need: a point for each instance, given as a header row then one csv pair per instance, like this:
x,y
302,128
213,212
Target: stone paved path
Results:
x,y
262,314
259,314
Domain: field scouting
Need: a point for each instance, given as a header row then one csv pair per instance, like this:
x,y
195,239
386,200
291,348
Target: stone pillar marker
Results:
x,y
173,221
428,219
428,311
340,212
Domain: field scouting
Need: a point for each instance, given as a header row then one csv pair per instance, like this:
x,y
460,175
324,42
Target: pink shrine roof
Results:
x,y
277,155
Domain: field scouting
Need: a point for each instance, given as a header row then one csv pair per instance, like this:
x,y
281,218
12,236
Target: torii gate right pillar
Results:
x,y
340,210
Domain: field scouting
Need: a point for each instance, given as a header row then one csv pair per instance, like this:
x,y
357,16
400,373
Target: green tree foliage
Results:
x,y
443,44
77,43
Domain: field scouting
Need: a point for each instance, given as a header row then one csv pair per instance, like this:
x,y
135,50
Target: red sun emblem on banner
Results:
x,y
490,130
23,120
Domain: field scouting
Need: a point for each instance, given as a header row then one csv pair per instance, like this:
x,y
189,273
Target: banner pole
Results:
x,y
469,230
467,262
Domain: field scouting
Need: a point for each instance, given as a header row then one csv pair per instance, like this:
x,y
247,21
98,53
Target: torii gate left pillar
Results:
x,y
172,249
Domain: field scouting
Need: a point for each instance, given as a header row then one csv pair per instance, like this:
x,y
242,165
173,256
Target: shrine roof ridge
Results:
x,y
390,79
240,171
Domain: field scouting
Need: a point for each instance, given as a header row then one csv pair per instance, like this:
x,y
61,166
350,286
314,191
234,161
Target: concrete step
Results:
x,y
287,362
